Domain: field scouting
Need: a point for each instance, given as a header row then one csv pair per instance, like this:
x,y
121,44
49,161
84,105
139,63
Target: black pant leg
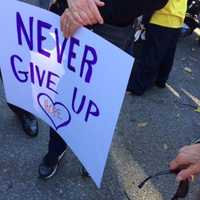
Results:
x,y
168,60
146,67
18,111
56,144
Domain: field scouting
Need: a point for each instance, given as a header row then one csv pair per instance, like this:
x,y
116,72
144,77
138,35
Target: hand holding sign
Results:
x,y
80,13
86,12
76,86
68,24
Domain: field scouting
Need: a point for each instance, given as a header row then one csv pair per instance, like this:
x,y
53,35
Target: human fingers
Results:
x,y
187,173
194,148
81,11
72,29
180,161
72,26
86,18
184,148
66,30
94,13
63,20
192,152
78,17
99,3
64,23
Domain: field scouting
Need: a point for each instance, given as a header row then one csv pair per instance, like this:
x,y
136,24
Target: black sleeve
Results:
x,y
124,12
118,12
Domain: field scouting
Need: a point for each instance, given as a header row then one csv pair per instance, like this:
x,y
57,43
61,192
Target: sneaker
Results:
x,y
49,167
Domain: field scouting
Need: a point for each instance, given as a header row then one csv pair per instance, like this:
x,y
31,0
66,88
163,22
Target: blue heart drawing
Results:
x,y
57,108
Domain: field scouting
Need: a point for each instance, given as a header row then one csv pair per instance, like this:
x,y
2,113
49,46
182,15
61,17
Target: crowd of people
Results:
x,y
162,20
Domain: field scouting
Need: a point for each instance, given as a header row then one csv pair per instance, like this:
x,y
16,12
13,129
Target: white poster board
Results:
x,y
75,85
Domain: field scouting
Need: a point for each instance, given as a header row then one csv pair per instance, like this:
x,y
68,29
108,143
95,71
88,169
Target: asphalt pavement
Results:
x,y
149,132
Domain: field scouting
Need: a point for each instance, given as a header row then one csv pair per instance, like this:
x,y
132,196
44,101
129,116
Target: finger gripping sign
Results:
x,y
76,85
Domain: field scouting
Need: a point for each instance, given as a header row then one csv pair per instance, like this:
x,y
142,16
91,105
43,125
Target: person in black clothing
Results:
x,y
162,30
113,12
117,17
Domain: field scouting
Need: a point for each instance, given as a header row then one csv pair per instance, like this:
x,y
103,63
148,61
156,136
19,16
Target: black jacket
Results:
x,y
119,12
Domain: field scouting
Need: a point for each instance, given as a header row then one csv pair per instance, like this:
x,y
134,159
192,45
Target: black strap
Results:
x,y
183,187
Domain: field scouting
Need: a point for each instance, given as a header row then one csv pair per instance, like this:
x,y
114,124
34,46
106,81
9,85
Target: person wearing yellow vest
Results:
x,y
172,15
157,54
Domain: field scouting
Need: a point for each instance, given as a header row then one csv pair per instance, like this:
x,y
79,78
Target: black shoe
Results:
x,y
49,167
84,172
29,124
161,85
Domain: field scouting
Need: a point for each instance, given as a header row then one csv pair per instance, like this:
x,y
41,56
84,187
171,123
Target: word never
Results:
x,y
89,57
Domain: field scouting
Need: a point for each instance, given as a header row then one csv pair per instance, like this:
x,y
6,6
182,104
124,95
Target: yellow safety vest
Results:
x,y
172,15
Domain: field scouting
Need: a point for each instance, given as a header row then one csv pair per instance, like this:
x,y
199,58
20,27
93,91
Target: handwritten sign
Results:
x,y
76,84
